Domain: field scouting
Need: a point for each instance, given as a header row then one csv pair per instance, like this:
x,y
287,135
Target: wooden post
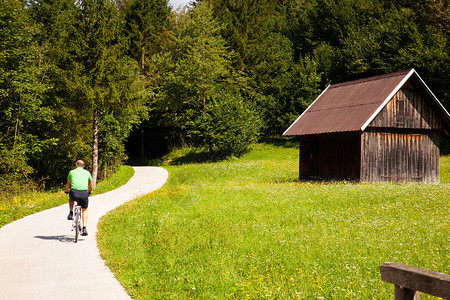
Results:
x,y
409,281
402,293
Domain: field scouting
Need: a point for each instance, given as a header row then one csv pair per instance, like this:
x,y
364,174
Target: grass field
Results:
x,y
247,228
20,206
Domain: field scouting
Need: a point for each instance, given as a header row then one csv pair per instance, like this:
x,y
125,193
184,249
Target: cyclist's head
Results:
x,y
80,163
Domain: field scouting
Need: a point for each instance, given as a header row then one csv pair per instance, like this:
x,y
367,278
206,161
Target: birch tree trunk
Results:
x,y
95,148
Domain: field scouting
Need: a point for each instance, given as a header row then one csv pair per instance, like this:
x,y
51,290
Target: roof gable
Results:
x,y
352,106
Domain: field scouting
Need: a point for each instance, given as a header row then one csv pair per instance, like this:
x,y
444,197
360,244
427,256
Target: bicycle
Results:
x,y
76,223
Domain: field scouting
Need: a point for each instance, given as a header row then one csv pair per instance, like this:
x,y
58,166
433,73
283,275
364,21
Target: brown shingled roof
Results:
x,y
350,106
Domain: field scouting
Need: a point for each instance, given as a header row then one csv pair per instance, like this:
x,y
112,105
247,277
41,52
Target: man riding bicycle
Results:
x,y
79,187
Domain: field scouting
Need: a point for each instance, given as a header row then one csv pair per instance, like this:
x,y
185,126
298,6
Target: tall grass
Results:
x,y
28,203
248,228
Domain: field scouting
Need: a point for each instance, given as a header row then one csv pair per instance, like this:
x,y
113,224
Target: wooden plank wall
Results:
x,y
408,109
398,156
401,143
330,156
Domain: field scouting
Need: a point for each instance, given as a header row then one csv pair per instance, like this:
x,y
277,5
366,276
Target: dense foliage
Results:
x,y
77,76
69,88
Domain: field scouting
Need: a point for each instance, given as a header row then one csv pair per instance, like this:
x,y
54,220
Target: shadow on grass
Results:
x,y
284,142
199,156
182,156
195,156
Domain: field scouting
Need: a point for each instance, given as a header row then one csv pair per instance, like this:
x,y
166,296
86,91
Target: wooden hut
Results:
x,y
383,128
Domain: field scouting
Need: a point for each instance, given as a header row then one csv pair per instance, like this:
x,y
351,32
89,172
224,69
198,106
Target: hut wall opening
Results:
x,y
330,156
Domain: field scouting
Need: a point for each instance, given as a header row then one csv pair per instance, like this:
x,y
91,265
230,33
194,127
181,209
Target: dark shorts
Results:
x,y
82,197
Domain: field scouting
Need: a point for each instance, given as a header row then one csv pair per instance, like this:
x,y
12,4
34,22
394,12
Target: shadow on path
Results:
x,y
61,238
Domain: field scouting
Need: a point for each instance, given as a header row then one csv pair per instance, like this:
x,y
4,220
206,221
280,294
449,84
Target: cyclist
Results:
x,y
79,187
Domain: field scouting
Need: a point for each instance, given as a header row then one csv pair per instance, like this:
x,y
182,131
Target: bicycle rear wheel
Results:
x,y
76,233
77,223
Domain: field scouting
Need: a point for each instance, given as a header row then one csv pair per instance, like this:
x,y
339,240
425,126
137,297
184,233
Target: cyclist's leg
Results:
x,y
71,204
85,216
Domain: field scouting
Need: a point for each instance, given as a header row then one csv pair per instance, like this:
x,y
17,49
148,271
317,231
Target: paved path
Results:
x,y
39,260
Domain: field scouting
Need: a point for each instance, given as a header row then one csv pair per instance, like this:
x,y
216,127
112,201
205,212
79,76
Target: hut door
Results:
x,y
401,157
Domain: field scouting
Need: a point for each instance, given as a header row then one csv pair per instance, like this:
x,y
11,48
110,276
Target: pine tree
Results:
x,y
94,78
144,21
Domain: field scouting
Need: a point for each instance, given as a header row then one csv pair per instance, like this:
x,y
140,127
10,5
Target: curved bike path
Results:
x,y
39,259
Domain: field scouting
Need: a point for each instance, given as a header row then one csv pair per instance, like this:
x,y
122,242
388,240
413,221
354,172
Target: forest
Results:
x,y
112,81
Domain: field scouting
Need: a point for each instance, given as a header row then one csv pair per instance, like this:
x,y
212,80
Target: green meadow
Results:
x,y
248,228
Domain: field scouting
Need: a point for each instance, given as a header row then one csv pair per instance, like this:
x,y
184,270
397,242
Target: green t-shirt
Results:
x,y
79,179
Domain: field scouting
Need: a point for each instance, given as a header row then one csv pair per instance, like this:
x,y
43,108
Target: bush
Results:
x,y
14,172
228,126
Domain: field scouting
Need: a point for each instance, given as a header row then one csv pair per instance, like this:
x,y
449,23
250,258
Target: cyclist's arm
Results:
x,y
90,187
68,186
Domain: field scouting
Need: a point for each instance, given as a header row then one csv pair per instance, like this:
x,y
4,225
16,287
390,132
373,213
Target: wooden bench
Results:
x,y
409,281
